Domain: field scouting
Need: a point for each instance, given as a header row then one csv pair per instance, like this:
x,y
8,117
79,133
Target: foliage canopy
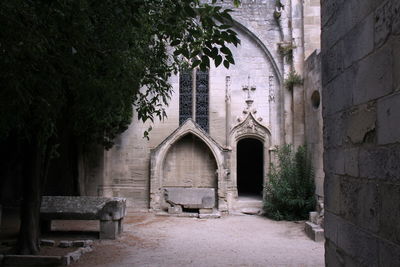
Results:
x,y
82,64
83,67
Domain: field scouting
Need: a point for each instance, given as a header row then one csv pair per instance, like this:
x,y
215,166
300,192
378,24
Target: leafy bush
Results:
x,y
289,193
292,80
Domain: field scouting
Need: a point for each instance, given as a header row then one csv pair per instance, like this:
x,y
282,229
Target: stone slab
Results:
x,y
206,211
215,215
65,244
32,260
191,198
251,211
46,242
82,208
177,209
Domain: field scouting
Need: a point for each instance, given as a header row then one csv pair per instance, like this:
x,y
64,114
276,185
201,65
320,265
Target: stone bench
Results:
x,y
190,198
109,211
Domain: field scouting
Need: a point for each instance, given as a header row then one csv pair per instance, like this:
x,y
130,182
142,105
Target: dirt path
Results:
x,y
150,240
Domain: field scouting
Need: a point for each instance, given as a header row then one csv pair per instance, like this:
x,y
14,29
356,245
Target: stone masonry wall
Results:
x,y
313,117
361,110
312,26
127,164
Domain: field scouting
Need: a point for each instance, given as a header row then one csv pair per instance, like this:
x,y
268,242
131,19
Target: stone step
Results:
x,y
314,231
249,204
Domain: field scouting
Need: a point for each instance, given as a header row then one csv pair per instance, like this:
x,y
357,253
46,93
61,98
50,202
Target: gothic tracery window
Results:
x,y
193,97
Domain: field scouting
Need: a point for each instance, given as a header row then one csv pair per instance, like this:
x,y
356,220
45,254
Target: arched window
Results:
x,y
193,97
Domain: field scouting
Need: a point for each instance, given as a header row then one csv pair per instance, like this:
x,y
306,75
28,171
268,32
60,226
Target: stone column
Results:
x,y
298,66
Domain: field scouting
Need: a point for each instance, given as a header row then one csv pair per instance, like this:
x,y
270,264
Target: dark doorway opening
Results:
x,y
250,167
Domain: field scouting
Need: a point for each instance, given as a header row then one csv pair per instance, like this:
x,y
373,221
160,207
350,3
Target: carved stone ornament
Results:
x,y
250,125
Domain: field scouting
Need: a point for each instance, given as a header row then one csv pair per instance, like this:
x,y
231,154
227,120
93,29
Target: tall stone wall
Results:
x,y
313,117
312,26
361,110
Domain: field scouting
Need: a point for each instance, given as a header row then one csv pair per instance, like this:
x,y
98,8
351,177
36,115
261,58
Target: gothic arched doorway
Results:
x,y
250,165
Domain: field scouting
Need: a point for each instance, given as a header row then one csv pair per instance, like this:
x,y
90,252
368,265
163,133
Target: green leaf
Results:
x,y
226,64
175,42
218,60
190,11
196,63
206,61
207,51
225,50
230,59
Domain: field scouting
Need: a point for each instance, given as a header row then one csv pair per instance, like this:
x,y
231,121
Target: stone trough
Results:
x,y
201,199
109,211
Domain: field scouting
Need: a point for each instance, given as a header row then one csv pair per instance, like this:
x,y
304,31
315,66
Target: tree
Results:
x,y
78,66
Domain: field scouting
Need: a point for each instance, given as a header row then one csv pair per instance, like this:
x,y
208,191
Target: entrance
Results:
x,y
250,166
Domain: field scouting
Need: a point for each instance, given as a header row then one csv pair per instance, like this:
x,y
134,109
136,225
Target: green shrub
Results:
x,y
292,80
289,193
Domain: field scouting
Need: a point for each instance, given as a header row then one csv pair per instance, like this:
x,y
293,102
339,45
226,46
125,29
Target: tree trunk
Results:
x,y
36,161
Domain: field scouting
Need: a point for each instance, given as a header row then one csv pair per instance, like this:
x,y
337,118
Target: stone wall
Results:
x,y
313,117
126,166
186,155
361,110
312,26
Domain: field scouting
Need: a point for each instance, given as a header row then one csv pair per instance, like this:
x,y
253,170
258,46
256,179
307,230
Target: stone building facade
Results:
x,y
361,111
222,125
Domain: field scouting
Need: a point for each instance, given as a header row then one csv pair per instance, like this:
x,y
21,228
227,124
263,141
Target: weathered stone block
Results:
x,y
334,131
331,227
110,212
390,212
333,256
350,208
109,229
337,96
82,208
192,198
65,244
176,209
380,163
396,63
389,254
361,124
215,215
383,23
351,162
46,242
359,42
369,207
389,119
313,215
314,231
31,260
206,211
358,244
82,243
373,76
332,192
332,63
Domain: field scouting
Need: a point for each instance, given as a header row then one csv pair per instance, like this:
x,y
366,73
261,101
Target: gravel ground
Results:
x,y
150,240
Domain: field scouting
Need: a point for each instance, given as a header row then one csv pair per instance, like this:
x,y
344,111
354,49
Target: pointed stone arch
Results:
x,y
159,154
278,73
248,126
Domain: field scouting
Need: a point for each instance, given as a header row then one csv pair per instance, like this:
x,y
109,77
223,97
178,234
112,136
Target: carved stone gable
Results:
x,y
249,125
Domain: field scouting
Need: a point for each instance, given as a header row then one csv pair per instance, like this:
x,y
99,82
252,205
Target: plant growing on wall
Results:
x,y
289,193
278,10
292,80
286,50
